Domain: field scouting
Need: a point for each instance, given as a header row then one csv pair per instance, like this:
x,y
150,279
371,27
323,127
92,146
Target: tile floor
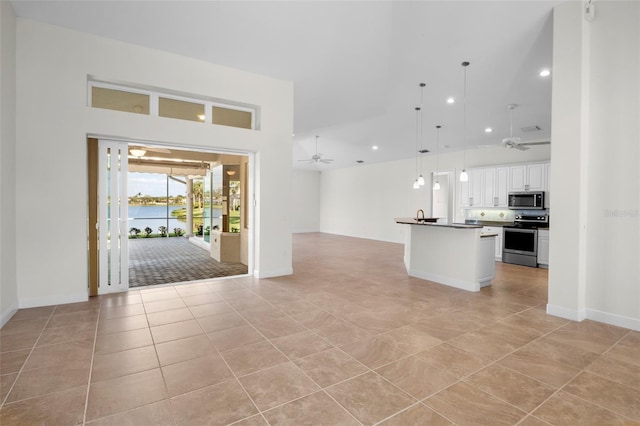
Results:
x,y
349,339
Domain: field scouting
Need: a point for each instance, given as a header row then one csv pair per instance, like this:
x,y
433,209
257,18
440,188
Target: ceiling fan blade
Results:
x,y
521,147
326,161
310,160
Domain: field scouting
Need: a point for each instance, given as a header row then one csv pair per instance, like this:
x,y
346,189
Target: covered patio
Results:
x,y
155,261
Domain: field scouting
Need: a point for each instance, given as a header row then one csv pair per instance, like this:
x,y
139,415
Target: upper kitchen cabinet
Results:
x,y
470,192
547,187
527,177
495,186
502,187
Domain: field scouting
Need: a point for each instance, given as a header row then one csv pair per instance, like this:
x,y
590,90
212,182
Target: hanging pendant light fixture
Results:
x,y
421,178
416,183
436,186
464,176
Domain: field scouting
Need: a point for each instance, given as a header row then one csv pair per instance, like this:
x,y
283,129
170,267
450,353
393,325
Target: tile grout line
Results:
x,y
494,362
369,370
530,413
93,354
155,350
320,388
235,377
33,348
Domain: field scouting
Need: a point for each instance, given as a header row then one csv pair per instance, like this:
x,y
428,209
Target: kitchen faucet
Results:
x,y
418,214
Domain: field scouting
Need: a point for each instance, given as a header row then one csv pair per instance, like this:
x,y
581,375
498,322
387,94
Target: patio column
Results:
x,y
189,232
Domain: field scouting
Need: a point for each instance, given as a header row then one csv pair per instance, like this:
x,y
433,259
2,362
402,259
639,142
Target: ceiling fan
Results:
x,y
317,157
516,143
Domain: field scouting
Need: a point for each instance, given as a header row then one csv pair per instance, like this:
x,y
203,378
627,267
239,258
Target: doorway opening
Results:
x,y
166,214
442,198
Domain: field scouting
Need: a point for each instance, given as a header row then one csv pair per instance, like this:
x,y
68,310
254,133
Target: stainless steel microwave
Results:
x,y
530,200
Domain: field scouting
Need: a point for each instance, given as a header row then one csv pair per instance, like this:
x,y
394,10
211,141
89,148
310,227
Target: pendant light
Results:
x,y
464,176
421,178
436,186
416,183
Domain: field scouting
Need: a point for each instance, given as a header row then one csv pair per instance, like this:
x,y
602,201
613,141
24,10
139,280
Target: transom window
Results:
x,y
181,107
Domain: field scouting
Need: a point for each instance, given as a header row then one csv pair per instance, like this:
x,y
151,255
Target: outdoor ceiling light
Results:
x,y
138,152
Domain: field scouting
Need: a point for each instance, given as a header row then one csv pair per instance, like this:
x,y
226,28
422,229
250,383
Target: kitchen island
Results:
x,y
458,255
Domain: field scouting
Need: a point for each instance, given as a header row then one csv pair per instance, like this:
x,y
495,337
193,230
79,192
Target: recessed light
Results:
x,y
450,100
545,73
359,161
488,130
375,147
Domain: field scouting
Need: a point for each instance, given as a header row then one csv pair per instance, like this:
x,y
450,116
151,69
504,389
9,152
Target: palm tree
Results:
x,y
198,196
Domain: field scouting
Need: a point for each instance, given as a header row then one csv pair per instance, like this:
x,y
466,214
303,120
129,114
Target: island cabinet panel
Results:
x,y
456,255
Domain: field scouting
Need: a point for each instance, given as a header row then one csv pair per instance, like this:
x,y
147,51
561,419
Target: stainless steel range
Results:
x,y
520,240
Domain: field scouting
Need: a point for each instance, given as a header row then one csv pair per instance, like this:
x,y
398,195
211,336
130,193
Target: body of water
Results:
x,y
155,216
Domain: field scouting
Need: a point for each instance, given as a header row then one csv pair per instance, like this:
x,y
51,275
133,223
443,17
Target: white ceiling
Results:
x,y
356,65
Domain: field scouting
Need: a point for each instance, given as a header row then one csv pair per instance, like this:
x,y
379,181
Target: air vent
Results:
x,y
529,129
423,151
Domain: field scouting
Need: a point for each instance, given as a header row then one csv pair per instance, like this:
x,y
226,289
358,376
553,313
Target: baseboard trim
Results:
x,y
614,319
272,274
6,315
463,285
567,313
60,299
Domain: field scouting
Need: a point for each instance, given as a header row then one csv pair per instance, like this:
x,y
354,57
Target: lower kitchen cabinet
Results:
x,y
543,247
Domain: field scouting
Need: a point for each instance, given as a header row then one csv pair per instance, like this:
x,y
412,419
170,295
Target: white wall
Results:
x,y
362,201
53,121
305,205
8,281
596,113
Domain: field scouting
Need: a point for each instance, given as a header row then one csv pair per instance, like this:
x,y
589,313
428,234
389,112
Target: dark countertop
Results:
x,y
414,221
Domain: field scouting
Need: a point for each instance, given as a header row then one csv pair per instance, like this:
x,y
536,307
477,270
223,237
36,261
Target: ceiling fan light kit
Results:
x,y
513,142
317,157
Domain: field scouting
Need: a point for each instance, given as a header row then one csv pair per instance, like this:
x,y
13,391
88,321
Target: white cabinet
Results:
x,y
517,178
475,187
502,187
495,230
464,197
489,187
543,247
547,187
535,177
527,177
470,192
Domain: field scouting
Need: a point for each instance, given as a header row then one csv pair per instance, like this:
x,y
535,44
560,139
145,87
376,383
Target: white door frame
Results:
x,y
113,216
